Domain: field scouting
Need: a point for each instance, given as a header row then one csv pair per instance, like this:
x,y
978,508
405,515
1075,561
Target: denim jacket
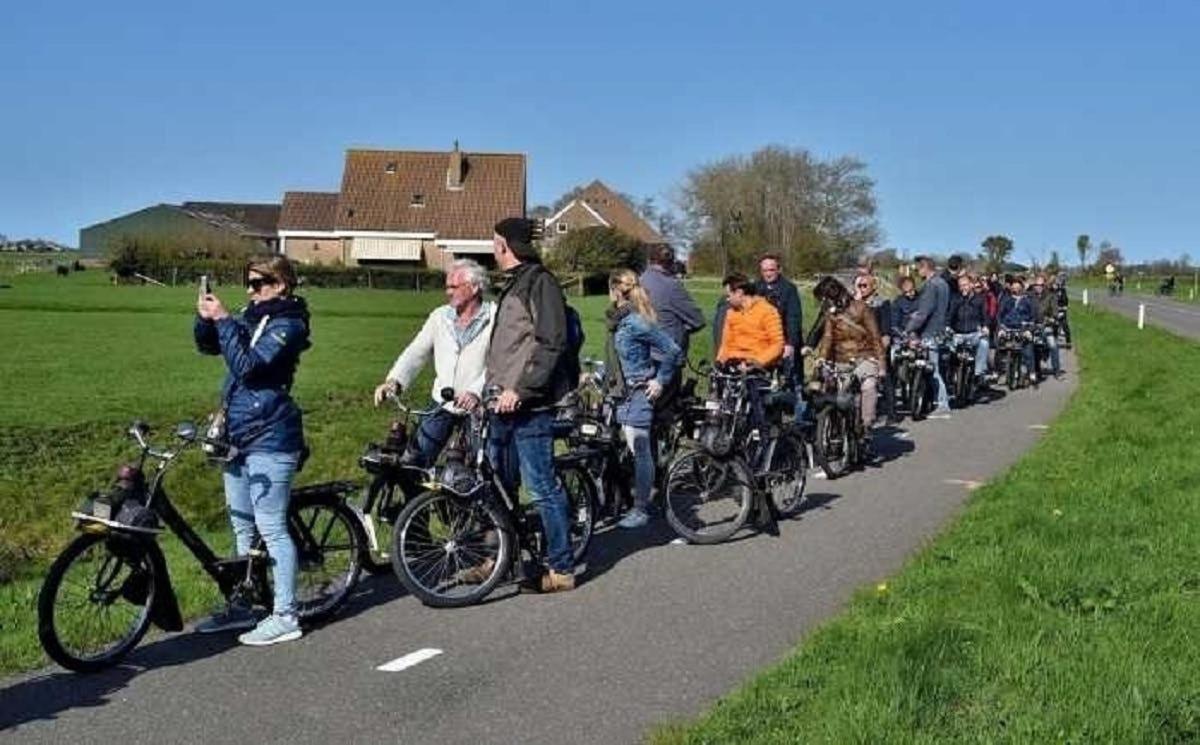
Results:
x,y
634,340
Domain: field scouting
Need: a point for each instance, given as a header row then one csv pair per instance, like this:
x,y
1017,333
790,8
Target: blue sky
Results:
x,y
1038,120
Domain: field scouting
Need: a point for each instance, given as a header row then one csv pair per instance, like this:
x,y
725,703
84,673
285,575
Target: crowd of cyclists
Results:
x,y
516,359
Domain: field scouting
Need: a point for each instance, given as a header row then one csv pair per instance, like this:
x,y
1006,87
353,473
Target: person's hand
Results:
x,y
886,340
210,307
654,389
788,351
508,401
386,389
466,401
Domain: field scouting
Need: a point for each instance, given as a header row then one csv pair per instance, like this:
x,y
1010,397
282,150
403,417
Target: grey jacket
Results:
x,y
677,312
932,304
528,347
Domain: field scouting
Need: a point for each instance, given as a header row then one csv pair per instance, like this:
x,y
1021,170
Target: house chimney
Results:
x,y
456,170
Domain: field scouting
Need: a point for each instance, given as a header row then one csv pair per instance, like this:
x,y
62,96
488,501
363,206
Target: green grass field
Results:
x,y
1061,607
84,358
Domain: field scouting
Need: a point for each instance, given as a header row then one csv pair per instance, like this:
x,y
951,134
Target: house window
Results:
x,y
418,200
390,167
350,212
563,227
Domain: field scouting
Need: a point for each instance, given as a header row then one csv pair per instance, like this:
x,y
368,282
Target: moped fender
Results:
x,y
165,612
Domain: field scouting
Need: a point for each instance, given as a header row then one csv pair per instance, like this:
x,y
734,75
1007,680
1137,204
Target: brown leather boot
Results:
x,y
552,581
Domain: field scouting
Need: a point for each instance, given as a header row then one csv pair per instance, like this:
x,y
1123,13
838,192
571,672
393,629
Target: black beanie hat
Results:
x,y
517,232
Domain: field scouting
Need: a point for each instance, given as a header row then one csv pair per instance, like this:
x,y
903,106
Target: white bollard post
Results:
x,y
1141,315
1085,300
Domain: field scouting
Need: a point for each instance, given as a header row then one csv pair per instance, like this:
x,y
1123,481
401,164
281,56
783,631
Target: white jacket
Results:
x,y
460,369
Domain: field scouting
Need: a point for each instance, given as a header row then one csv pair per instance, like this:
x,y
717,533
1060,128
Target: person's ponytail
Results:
x,y
627,283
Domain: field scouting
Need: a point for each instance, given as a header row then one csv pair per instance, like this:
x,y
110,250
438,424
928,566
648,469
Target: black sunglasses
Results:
x,y
257,283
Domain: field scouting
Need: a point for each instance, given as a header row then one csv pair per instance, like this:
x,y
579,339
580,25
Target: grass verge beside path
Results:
x,y
1061,607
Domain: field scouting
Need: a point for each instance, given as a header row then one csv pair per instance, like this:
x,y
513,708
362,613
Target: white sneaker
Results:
x,y
272,630
635,518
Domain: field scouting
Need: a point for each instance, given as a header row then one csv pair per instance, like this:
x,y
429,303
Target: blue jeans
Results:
x,y
258,488
943,396
981,351
637,439
522,448
1052,345
433,434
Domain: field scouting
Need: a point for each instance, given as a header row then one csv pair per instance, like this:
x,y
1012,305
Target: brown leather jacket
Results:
x,y
851,335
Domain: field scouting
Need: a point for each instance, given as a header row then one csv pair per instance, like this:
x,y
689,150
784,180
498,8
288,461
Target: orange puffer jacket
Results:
x,y
754,333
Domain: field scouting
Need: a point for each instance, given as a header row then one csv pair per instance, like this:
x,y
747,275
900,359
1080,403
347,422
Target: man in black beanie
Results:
x,y
527,362
517,233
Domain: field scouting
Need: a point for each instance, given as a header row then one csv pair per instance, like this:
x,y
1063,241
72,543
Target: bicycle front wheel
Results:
x,y
94,606
451,551
833,442
329,545
787,475
708,499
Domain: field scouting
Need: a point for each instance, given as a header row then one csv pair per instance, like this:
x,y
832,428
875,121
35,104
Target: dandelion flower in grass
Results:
x,y
1057,512
881,588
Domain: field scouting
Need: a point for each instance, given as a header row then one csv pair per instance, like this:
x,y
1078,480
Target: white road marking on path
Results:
x,y
971,485
939,416
408,660
1039,426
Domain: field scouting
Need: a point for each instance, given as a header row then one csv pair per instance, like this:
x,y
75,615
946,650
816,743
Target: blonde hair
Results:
x,y
626,282
277,268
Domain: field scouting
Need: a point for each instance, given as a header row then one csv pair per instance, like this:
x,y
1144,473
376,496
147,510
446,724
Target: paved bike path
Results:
x,y
656,633
1174,316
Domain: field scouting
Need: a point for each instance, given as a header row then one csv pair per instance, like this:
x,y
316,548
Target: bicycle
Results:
x,y
111,582
394,476
914,375
959,354
455,542
596,441
1010,346
737,470
839,431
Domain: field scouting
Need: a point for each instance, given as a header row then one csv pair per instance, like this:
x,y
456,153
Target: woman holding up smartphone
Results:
x,y
261,348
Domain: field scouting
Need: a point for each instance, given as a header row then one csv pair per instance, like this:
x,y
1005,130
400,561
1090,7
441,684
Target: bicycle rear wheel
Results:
x,y
708,499
581,505
95,604
329,545
787,475
451,551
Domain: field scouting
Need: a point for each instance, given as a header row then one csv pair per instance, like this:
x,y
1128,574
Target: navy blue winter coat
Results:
x,y
261,348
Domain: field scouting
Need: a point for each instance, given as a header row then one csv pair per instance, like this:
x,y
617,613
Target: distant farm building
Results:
x,y
203,224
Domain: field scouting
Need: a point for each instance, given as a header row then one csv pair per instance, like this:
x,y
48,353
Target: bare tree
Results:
x,y
817,214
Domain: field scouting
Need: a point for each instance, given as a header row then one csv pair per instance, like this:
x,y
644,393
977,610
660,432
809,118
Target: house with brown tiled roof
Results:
x,y
407,207
599,206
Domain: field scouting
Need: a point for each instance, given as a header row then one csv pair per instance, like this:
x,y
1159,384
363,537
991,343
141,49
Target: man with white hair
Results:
x,y
456,336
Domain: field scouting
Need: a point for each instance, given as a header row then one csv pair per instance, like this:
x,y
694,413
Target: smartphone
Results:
x,y
205,287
